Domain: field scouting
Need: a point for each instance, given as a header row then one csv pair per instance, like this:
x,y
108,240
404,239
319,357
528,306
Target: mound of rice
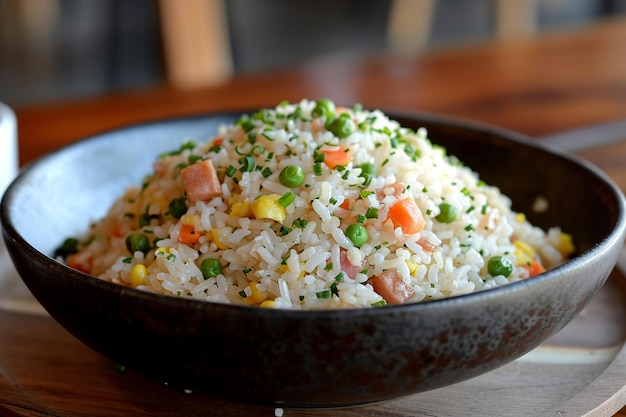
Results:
x,y
314,206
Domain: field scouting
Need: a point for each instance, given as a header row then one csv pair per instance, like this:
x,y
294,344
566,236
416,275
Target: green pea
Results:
x,y
291,176
342,126
447,213
357,233
499,265
369,168
210,267
178,207
324,107
137,242
68,247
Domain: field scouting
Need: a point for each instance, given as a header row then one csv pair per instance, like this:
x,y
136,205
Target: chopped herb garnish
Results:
x,y
380,303
127,260
300,223
365,193
230,171
284,231
324,294
317,168
266,172
286,199
371,213
247,164
361,219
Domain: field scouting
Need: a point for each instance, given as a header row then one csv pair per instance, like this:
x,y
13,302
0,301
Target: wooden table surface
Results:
x,y
556,82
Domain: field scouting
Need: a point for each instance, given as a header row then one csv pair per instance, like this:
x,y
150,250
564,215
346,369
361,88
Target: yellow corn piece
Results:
x,y
214,235
268,304
268,207
190,219
412,267
524,253
520,217
240,209
257,296
282,269
161,203
137,275
163,251
566,244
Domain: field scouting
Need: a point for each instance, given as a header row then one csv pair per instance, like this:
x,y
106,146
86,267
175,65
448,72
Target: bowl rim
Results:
x,y
616,234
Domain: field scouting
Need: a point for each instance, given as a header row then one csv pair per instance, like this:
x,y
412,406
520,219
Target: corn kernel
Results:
x,y
240,209
282,269
137,275
412,267
257,296
268,207
520,217
566,244
214,235
190,219
268,304
524,253
163,251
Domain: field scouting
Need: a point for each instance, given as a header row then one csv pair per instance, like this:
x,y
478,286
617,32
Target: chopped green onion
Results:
x,y
371,213
230,171
324,294
286,199
300,223
317,168
266,172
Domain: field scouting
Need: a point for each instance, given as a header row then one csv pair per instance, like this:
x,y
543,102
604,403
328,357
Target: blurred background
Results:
x,y
63,49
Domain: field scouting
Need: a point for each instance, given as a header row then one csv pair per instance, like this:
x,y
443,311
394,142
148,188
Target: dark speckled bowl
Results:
x,y
310,358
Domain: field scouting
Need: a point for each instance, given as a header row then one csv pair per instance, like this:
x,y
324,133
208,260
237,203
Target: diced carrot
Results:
x,y
391,287
335,156
74,263
117,231
201,181
535,268
218,141
406,214
345,205
188,234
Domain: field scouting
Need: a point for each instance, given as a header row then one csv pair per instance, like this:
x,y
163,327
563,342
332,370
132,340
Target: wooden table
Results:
x,y
538,87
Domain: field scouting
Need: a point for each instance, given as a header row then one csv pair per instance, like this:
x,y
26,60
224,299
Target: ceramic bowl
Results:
x,y
310,358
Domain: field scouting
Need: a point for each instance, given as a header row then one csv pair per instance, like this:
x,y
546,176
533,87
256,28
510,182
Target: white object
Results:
x,y
14,295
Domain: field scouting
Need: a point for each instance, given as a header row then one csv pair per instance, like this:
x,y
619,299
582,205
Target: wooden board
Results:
x,y
580,371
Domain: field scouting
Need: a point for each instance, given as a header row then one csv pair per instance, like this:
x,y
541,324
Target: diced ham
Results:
x,y
347,267
201,181
394,189
391,287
